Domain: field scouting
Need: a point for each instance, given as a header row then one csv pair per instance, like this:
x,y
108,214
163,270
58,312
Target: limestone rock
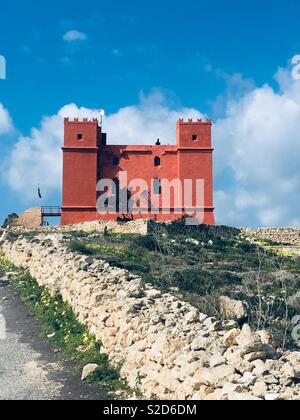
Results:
x,y
270,380
235,396
135,288
217,360
217,395
230,337
266,337
192,316
88,370
294,360
215,377
249,342
248,379
260,368
288,371
229,388
251,357
153,294
271,397
233,309
260,389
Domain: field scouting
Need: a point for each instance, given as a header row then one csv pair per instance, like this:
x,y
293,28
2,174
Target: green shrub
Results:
x,y
10,220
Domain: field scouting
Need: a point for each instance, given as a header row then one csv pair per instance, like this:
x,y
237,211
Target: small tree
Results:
x,y
11,219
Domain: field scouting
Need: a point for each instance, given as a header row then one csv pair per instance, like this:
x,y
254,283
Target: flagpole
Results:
x,y
41,202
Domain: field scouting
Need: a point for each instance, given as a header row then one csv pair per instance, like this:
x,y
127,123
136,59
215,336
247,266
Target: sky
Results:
x,y
147,64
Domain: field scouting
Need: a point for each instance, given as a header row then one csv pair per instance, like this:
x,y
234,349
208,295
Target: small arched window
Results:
x,y
116,161
157,161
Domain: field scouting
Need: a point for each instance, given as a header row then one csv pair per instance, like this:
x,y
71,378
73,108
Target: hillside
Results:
x,y
177,309
200,265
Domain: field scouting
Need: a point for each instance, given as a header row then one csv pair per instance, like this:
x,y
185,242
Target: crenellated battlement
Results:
x,y
81,121
181,121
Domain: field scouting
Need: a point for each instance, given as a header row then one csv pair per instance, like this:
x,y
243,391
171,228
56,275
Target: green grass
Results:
x,y
59,324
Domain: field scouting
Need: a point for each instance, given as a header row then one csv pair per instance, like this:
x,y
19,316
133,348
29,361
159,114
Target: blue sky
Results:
x,y
219,58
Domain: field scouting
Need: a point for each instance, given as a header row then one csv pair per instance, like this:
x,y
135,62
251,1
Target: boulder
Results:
x,y
192,316
260,389
233,309
153,294
288,372
249,342
251,357
229,388
215,377
217,360
229,338
88,370
294,361
135,288
248,379
260,368
272,397
270,380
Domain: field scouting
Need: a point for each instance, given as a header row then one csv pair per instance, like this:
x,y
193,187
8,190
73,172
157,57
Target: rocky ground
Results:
x,y
166,346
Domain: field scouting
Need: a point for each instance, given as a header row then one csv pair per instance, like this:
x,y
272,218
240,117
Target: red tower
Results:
x,y
87,159
195,159
80,163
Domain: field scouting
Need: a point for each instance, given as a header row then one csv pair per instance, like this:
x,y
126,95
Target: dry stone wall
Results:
x,y
166,347
290,236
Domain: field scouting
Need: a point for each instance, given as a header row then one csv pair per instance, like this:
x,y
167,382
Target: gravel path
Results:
x,y
29,368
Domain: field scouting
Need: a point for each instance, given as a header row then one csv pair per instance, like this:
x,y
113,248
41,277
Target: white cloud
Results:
x,y
74,35
259,140
153,118
6,124
37,159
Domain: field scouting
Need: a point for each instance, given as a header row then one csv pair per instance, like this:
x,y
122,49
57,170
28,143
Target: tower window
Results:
x,y
116,161
194,137
157,161
79,136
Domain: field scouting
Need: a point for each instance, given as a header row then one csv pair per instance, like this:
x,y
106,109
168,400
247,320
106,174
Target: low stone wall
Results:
x,y
289,236
139,227
166,347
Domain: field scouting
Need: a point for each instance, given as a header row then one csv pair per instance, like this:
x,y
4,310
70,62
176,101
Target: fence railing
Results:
x,y
51,211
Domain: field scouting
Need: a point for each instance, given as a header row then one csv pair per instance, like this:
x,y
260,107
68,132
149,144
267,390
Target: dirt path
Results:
x,y
29,368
